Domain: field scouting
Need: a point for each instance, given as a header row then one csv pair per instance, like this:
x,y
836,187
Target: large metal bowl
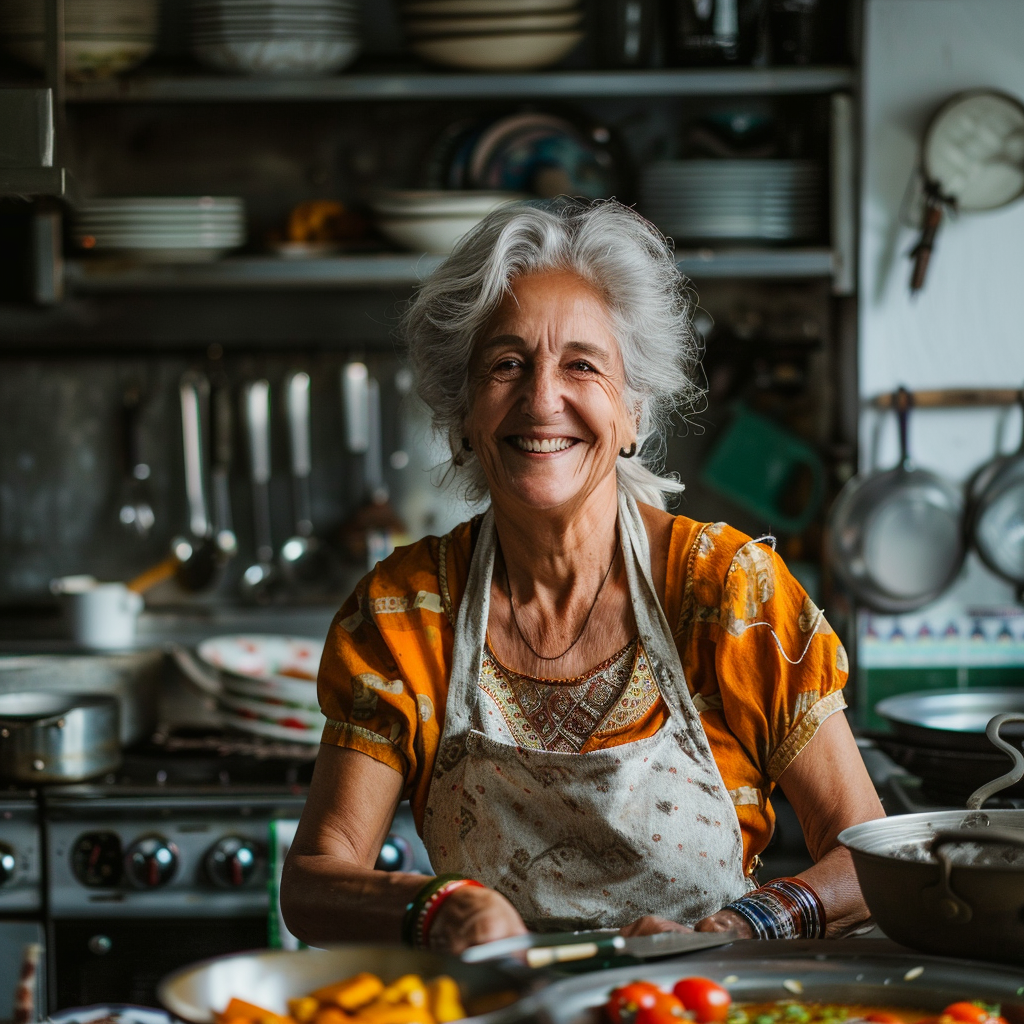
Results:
x,y
270,978
865,971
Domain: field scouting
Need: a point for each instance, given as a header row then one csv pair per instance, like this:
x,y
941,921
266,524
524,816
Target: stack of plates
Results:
x,y
101,37
705,200
275,37
267,685
434,221
173,230
493,35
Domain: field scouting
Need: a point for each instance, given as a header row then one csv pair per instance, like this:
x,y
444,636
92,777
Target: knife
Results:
x,y
544,950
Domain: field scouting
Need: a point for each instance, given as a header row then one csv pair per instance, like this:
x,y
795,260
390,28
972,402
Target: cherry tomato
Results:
x,y
626,1001
967,1013
665,1008
705,999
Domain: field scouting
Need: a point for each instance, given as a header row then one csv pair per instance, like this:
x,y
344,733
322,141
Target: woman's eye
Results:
x,y
508,365
583,366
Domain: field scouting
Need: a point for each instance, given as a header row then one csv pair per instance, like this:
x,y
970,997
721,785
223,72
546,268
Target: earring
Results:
x,y
466,446
628,455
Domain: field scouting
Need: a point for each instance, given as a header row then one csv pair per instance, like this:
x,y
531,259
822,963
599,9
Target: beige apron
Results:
x,y
591,840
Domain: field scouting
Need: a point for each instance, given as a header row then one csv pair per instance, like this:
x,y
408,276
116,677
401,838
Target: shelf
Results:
x,y
383,270
447,85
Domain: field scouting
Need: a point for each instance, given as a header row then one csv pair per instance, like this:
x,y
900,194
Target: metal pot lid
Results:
x,y
37,705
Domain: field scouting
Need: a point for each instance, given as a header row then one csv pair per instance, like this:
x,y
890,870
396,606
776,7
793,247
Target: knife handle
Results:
x,y
544,956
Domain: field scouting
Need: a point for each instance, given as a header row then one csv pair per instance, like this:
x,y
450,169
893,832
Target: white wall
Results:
x,y
967,327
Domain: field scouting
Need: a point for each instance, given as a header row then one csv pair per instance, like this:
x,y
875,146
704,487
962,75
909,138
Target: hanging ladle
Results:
x,y
260,580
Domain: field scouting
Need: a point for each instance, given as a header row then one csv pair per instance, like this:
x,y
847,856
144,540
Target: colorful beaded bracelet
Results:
x,y
420,912
787,908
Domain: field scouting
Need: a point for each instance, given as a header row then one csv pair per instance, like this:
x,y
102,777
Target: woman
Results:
x,y
588,701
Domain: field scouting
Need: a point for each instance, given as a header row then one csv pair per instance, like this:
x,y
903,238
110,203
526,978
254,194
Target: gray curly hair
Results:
x,y
608,245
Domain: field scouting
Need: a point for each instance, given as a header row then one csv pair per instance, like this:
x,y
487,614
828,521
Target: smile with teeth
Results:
x,y
547,444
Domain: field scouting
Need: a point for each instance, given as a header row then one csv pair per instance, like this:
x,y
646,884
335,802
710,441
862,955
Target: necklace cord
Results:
x,y
586,621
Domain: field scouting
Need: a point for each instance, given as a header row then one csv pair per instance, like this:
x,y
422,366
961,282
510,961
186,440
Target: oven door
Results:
x,y
121,960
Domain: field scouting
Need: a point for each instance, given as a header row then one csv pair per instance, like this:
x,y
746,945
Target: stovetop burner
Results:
x,y
910,795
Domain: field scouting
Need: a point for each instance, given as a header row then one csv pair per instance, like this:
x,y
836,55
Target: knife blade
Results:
x,y
544,950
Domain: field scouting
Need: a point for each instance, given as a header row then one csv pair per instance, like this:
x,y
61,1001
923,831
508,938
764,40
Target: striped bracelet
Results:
x,y
422,909
787,908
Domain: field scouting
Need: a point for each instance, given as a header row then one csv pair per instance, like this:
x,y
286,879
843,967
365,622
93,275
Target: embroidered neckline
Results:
x,y
561,681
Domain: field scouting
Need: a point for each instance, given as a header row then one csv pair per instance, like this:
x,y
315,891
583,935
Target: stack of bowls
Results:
x,y
434,221
101,37
267,685
275,37
162,230
493,35
718,200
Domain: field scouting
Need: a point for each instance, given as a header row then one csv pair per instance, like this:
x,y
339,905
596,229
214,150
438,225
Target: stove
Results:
x,y
20,854
173,859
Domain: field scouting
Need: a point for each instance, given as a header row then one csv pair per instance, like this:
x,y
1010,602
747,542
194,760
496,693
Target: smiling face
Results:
x,y
547,418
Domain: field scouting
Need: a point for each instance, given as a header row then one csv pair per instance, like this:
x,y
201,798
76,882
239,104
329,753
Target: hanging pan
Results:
x,y
896,537
996,523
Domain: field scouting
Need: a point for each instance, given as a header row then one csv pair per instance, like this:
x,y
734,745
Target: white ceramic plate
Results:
x,y
468,26
427,234
287,661
274,714
523,52
271,731
464,8
404,204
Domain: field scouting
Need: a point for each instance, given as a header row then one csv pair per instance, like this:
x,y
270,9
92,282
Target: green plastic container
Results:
x,y
757,464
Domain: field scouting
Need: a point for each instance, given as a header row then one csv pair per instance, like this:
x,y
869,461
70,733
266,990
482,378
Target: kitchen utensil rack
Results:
x,y
953,398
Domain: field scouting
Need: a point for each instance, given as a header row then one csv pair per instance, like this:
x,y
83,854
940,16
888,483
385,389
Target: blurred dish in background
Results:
x,y
496,35
710,32
162,230
319,227
758,200
434,221
275,37
542,154
102,38
626,31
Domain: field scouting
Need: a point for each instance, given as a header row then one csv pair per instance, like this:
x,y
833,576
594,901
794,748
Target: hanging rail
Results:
x,y
954,398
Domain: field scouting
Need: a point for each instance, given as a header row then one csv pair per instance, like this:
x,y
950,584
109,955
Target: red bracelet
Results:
x,y
433,905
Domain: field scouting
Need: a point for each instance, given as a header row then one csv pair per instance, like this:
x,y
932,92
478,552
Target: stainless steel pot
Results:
x,y
56,737
133,678
270,978
949,882
864,971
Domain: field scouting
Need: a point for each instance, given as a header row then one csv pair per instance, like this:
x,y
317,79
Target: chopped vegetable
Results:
x,y
626,1001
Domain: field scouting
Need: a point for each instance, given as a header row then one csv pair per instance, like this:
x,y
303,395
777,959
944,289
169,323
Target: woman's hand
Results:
x,y
471,916
726,921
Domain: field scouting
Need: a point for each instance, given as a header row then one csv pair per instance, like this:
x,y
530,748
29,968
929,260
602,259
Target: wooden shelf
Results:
x,y
200,88
384,270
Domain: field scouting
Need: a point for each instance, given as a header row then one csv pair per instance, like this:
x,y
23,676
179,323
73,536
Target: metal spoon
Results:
x,y
135,510
260,580
303,559
223,527
197,555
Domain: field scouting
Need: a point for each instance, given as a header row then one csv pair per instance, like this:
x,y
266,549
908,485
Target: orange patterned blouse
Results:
x,y
763,666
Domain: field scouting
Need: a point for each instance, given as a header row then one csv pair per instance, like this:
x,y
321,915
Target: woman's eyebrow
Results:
x,y
497,341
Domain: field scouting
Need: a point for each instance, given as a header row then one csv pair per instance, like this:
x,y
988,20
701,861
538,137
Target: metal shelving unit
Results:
x,y
386,270
172,88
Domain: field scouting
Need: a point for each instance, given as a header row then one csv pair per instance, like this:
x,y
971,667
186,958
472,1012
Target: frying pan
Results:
x,y
972,160
896,537
996,518
953,719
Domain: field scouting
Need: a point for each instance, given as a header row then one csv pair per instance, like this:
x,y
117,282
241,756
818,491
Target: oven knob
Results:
x,y
8,864
151,862
395,855
233,862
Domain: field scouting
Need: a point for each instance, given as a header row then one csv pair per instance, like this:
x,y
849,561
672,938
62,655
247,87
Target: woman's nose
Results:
x,y
543,396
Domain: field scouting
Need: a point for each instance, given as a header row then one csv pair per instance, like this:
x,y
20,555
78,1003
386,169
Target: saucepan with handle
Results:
x,y
947,882
896,537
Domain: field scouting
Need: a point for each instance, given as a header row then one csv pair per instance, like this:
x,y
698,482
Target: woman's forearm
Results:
x,y
834,879
325,899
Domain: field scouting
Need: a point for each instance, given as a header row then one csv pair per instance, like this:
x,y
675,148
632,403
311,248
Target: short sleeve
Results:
x,y
383,664
779,664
